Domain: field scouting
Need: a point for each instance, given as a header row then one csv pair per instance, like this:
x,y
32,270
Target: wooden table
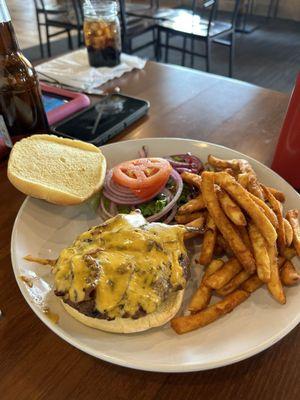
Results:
x,y
37,364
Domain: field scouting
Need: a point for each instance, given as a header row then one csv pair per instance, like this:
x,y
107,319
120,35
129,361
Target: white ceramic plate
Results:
x,y
43,229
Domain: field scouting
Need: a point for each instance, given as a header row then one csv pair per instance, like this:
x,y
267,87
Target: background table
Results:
x,y
37,364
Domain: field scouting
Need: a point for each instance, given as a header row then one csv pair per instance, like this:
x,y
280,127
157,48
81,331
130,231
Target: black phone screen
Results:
x,y
104,119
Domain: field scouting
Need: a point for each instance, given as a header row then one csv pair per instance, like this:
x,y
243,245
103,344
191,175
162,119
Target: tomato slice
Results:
x,y
142,173
148,193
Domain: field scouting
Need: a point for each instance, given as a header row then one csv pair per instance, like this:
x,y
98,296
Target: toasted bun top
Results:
x,y
61,171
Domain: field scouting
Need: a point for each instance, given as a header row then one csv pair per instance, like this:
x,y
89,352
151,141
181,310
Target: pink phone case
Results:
x,y
78,101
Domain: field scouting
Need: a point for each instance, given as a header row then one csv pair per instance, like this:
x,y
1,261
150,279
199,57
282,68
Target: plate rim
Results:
x,y
138,365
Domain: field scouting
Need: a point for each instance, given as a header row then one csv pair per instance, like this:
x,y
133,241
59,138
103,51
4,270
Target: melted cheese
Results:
x,y
131,265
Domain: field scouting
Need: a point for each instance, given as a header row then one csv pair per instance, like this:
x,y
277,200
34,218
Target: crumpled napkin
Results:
x,y
73,69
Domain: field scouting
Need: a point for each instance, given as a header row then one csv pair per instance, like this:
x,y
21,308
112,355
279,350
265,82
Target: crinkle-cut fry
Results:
x,y
289,275
224,225
243,198
197,223
212,313
280,196
276,208
252,284
260,253
209,242
223,164
289,253
202,296
243,179
288,232
292,217
186,218
275,285
191,179
234,283
193,205
221,277
266,209
231,209
38,260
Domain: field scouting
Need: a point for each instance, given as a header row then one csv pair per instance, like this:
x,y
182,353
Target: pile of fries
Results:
x,y
243,219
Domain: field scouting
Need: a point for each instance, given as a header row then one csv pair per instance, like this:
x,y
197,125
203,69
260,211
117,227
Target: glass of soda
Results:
x,y
102,33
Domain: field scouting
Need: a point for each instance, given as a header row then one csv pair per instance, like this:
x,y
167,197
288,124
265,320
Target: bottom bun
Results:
x,y
128,325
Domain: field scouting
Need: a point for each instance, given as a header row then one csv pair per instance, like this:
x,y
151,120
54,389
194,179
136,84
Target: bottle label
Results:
x,y
4,133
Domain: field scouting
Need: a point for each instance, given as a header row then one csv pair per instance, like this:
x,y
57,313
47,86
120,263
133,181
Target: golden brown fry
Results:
x,y
254,188
223,224
224,245
200,299
193,205
192,179
230,171
280,229
277,194
209,241
260,253
253,184
222,164
197,223
289,253
266,209
292,217
210,314
288,232
243,179
242,230
231,209
281,260
252,284
275,285
218,279
202,296
186,218
42,261
239,166
219,252
288,274
242,197
235,282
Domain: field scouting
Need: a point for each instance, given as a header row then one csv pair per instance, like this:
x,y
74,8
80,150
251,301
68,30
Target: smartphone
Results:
x,y
103,120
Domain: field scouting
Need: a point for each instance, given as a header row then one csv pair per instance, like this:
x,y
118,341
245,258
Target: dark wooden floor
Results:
x,y
268,57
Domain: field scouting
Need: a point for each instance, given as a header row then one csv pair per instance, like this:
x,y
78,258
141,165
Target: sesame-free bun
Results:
x,y
58,170
161,316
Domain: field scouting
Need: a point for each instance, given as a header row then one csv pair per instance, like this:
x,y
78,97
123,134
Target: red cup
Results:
x,y
286,160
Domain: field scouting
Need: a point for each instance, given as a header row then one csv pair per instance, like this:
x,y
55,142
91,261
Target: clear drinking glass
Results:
x,y
102,33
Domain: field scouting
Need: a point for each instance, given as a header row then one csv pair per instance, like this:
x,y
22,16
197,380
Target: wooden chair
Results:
x,y
133,27
65,18
208,30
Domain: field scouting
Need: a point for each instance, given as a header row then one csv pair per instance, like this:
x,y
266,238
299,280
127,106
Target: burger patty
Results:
x,y
88,306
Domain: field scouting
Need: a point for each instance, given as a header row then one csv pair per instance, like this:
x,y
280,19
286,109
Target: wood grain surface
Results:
x,y
37,364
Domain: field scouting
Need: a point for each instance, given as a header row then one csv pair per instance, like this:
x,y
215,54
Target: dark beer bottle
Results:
x,y
21,107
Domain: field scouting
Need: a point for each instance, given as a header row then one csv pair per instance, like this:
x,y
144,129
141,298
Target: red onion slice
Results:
x,y
177,178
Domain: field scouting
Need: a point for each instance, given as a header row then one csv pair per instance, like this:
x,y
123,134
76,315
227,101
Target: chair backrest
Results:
x,y
207,9
78,10
39,4
235,12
